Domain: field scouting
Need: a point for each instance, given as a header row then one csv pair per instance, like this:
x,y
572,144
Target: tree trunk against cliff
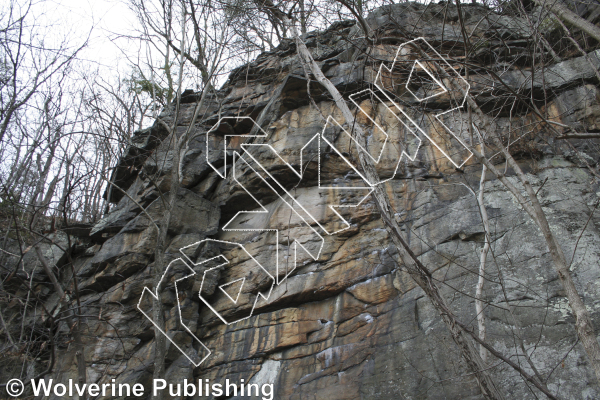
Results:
x,y
583,322
415,268
479,303
532,206
160,342
578,47
72,320
558,8
207,63
168,203
178,149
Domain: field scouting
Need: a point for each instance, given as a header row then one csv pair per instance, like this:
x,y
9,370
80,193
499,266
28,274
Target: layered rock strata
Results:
x,y
351,323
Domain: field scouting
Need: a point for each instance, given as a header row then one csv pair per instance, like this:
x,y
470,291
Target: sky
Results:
x,y
111,26
106,22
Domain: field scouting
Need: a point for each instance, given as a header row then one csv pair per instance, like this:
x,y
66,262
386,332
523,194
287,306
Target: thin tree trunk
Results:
x,y
302,18
71,321
583,323
161,242
415,268
531,204
160,341
479,307
558,8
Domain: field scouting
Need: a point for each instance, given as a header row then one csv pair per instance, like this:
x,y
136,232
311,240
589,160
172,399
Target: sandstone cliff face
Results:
x,y
349,324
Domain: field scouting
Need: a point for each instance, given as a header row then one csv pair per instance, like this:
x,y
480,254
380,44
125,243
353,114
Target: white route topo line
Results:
x,y
299,210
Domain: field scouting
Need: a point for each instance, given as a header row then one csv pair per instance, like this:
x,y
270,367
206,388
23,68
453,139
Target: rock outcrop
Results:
x,y
348,323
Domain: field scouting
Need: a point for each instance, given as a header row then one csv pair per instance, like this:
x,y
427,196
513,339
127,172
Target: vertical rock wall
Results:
x,y
350,324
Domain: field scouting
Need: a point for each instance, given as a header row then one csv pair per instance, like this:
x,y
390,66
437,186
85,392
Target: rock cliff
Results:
x,y
342,319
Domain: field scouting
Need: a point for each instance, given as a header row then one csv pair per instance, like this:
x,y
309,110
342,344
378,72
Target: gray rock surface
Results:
x,y
352,324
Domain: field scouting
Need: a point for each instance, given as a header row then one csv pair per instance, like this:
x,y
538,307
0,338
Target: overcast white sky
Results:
x,y
105,20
